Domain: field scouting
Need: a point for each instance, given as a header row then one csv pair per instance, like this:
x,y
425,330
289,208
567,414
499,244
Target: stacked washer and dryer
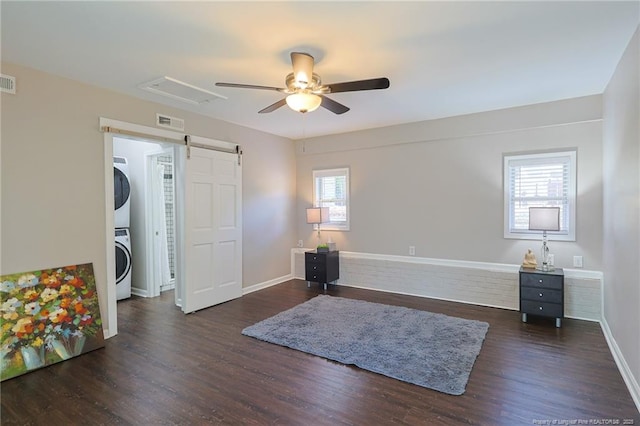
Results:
x,y
122,192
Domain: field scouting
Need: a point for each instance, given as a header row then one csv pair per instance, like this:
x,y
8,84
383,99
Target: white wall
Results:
x,y
437,185
621,158
52,177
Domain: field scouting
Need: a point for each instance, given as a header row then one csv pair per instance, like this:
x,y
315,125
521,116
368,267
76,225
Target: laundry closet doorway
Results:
x,y
152,213
206,181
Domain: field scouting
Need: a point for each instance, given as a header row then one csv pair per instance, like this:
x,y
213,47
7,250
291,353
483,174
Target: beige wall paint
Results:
x,y
438,185
621,158
53,206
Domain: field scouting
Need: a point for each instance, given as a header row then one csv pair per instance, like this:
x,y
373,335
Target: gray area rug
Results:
x,y
431,350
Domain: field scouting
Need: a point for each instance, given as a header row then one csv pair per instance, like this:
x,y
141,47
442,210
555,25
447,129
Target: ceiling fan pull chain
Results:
x,y
304,130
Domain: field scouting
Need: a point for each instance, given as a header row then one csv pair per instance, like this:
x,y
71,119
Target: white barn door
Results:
x,y
213,229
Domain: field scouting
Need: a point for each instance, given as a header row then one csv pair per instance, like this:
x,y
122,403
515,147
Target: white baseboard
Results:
x,y
265,284
139,292
625,371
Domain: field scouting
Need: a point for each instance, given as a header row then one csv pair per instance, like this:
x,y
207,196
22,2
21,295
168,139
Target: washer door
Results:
x,y
121,187
123,261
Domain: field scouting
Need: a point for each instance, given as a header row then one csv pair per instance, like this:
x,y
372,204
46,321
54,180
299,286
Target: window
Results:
x,y
331,189
539,180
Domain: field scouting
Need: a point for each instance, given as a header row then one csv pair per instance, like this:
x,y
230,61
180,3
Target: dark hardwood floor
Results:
x,y
165,367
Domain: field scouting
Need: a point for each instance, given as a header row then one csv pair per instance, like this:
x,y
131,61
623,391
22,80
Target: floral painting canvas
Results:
x,y
48,316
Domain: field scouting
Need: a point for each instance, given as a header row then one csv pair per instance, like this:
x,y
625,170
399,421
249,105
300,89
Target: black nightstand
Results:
x,y
321,267
542,293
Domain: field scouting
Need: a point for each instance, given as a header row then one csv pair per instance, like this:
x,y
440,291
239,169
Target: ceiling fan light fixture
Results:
x,y
303,102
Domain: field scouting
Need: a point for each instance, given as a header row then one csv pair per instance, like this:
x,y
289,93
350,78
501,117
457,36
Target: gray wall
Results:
x,y
52,171
437,185
621,158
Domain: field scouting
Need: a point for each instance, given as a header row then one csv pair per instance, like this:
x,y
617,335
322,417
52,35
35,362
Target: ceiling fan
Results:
x,y
305,91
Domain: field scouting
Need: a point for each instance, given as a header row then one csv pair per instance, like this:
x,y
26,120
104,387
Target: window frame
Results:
x,y
323,173
568,234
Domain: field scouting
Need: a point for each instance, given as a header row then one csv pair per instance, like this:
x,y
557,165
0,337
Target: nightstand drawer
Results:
x,y
315,268
541,294
314,258
541,308
319,277
541,280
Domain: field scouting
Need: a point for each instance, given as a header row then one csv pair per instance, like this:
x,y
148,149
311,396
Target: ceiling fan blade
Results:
x,y
249,86
353,86
273,107
302,69
333,106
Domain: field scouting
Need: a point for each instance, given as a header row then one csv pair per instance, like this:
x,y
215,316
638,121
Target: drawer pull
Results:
x,y
540,307
540,281
315,267
540,295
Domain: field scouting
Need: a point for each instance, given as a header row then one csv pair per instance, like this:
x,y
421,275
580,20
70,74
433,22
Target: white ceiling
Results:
x,y
443,58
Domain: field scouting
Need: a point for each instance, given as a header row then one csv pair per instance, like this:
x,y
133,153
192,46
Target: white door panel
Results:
x,y
213,229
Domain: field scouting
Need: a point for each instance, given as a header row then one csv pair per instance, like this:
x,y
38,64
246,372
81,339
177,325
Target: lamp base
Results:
x,y
545,268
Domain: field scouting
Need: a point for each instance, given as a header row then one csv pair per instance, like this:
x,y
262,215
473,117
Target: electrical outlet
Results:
x,y
300,243
577,261
412,250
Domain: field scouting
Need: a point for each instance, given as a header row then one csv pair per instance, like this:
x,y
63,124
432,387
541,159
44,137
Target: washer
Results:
x,y
122,192
123,264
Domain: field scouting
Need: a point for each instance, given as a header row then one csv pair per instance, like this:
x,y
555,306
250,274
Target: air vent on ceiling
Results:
x,y
7,84
169,122
176,89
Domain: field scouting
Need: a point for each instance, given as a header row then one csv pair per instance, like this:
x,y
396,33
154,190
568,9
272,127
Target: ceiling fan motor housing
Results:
x,y
315,86
302,69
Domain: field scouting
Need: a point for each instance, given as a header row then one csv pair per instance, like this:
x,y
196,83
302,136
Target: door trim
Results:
x,y
138,131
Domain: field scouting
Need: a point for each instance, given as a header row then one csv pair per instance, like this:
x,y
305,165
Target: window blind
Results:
x,y
540,180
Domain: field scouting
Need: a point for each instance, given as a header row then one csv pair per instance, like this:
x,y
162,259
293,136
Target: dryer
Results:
x,y
122,192
123,264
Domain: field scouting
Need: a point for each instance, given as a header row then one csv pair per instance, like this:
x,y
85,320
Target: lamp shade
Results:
x,y
317,215
304,102
544,218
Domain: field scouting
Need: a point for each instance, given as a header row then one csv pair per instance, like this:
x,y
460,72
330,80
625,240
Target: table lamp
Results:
x,y
544,219
317,215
